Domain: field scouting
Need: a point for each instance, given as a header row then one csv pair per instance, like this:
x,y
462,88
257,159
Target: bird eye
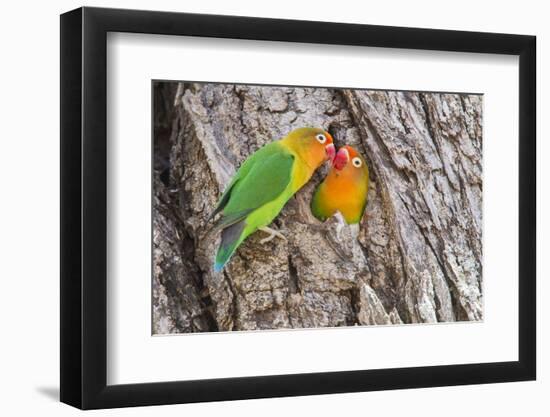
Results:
x,y
321,138
357,162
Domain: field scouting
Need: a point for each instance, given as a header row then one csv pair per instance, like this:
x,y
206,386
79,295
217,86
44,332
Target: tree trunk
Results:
x,y
415,258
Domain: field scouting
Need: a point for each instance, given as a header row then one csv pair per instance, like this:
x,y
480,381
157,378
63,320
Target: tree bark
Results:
x,y
415,258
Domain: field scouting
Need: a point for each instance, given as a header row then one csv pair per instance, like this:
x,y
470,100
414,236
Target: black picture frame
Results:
x,y
84,207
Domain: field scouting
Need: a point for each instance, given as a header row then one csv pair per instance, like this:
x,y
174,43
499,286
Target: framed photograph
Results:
x,y
257,208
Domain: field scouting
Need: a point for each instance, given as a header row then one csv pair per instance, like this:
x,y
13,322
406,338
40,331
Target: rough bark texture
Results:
x,y
416,257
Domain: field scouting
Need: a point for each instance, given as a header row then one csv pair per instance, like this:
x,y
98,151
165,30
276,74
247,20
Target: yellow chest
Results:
x,y
347,197
301,174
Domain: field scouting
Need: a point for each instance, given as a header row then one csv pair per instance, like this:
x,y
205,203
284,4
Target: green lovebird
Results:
x,y
344,189
263,185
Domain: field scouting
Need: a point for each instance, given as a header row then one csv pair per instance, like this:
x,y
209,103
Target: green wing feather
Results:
x,y
260,180
241,173
316,207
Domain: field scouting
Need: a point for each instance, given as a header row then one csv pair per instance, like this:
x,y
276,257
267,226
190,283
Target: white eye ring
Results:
x,y
321,138
357,162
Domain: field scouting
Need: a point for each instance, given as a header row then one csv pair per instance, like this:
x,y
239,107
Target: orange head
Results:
x,y
349,164
313,145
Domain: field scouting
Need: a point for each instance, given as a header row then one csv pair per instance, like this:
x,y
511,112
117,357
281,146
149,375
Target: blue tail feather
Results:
x,y
231,239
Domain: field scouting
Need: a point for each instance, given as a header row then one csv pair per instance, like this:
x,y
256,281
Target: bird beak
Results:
x,y
331,151
341,159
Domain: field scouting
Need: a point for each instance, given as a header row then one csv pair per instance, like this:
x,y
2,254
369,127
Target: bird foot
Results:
x,y
272,233
341,223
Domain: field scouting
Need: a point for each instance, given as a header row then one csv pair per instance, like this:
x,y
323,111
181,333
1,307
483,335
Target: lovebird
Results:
x,y
344,189
263,185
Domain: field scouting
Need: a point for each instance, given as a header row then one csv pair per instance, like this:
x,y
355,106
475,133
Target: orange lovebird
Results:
x,y
344,189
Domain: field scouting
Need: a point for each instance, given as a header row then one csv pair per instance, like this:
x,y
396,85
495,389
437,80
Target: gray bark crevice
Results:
x,y
179,305
416,256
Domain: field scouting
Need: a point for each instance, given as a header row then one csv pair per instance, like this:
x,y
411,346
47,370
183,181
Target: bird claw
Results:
x,y
272,233
341,223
